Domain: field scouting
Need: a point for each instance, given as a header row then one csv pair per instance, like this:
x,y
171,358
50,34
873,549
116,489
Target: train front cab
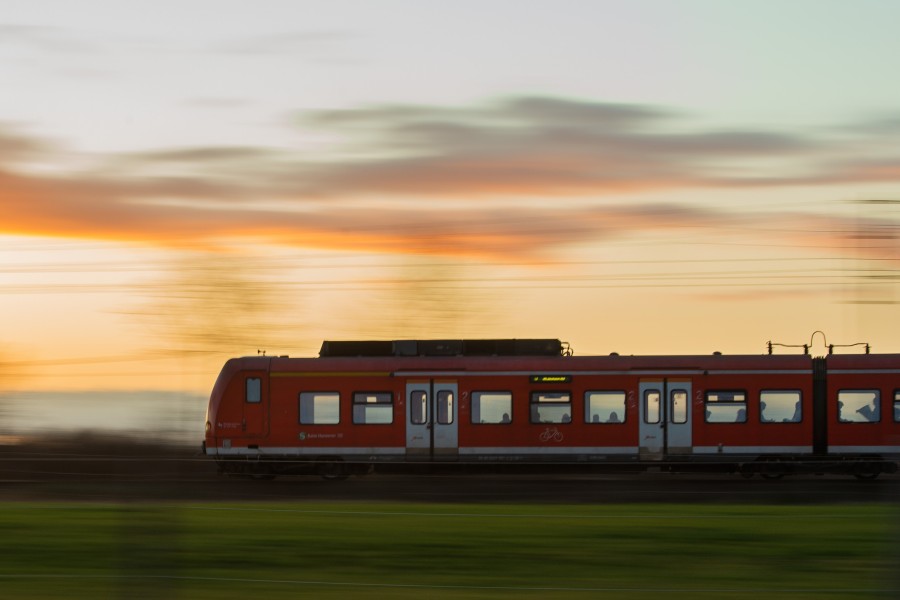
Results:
x,y
237,417
863,413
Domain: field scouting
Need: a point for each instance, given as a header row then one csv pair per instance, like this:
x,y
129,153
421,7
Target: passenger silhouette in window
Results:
x,y
566,418
613,418
741,416
762,413
595,418
797,413
505,418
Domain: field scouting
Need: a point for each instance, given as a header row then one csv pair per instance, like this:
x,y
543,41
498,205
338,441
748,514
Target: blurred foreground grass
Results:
x,y
357,550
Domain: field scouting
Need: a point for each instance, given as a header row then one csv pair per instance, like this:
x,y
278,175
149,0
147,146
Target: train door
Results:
x,y
255,404
432,415
665,418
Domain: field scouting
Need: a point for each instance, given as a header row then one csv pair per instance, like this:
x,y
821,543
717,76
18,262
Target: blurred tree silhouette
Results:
x,y
6,375
425,299
223,303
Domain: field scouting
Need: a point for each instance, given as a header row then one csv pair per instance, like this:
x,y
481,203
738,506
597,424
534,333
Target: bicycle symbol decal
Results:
x,y
551,434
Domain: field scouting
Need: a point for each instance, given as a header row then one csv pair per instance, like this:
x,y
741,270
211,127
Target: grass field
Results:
x,y
365,550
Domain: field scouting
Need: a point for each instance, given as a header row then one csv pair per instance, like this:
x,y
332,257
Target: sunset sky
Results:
x,y
181,182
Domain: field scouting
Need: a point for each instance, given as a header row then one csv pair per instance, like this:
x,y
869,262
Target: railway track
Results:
x,y
172,484
104,470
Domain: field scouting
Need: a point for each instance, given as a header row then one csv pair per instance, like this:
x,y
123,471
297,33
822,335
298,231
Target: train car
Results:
x,y
529,403
863,411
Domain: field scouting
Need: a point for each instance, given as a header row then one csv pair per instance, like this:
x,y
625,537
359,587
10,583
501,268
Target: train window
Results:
x,y
320,408
491,407
896,406
780,406
373,408
859,406
551,407
679,403
651,406
445,407
726,406
418,407
254,390
604,407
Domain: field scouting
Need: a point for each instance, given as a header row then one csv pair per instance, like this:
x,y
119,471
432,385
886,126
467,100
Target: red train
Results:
x,y
529,402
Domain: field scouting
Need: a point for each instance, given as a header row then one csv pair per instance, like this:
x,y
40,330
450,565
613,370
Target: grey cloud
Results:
x,y
217,102
884,125
562,111
47,39
575,145
523,111
731,143
15,145
281,43
198,155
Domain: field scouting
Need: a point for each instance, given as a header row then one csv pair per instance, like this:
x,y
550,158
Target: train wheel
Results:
x,y
333,470
773,469
866,471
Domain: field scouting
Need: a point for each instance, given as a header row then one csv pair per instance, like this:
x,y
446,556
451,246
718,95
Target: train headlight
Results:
x,y
208,426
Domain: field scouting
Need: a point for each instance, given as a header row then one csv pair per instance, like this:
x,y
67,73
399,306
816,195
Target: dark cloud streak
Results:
x,y
45,39
281,43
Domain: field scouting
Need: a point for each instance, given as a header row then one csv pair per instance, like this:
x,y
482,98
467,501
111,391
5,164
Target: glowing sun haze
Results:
x,y
186,181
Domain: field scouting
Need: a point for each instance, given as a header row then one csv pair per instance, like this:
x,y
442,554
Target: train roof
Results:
x,y
471,347
864,361
532,354
530,363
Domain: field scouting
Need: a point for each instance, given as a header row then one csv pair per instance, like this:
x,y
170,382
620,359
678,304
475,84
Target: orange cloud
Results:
x,y
452,175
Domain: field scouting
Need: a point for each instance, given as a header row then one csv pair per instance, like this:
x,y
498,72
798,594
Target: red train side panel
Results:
x,y
283,414
863,405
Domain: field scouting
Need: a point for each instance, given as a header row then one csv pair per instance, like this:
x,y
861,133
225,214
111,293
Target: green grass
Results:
x,y
357,550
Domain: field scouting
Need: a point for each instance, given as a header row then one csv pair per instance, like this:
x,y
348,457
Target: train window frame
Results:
x,y
444,400
843,396
323,395
363,405
656,413
545,398
731,403
897,406
418,408
256,396
591,411
475,407
796,417
680,417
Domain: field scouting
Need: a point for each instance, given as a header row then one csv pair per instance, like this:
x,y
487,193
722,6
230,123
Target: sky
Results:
x,y
181,182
